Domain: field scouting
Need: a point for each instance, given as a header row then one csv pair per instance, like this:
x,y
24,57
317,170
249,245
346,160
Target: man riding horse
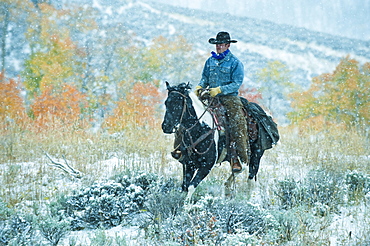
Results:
x,y
222,75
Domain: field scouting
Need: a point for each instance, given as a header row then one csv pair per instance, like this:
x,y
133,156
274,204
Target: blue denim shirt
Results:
x,y
227,73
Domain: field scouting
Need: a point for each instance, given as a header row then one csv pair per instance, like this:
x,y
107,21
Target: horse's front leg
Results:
x,y
204,168
187,175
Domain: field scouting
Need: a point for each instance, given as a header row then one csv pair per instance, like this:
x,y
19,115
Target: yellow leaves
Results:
x,y
340,97
274,73
51,67
53,56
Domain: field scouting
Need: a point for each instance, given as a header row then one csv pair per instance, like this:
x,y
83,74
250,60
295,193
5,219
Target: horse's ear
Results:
x,y
168,85
188,86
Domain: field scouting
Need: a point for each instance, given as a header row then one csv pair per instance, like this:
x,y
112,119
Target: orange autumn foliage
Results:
x,y
251,94
57,107
11,102
138,109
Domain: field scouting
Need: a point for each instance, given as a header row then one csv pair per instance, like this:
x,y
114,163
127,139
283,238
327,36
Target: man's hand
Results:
x,y
214,91
197,90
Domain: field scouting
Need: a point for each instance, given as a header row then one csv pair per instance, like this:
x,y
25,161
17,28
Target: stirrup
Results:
x,y
176,154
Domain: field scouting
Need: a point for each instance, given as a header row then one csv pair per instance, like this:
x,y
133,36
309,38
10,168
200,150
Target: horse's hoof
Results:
x,y
252,176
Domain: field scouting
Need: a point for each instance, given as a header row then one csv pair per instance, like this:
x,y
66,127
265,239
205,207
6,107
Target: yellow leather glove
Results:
x,y
214,91
197,90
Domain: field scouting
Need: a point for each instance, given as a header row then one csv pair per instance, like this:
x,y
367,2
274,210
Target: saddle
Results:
x,y
218,112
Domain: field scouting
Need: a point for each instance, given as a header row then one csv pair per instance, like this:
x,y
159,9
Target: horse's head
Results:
x,y
175,106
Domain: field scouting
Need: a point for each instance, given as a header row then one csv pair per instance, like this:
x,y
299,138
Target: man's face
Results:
x,y
221,48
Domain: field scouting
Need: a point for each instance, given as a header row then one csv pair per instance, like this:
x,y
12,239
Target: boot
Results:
x,y
236,166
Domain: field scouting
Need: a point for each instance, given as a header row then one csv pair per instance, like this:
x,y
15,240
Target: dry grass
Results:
x,y
335,149
145,150
27,175
28,181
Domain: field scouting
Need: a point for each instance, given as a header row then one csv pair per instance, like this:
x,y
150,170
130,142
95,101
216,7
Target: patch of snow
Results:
x,y
190,20
306,61
130,234
327,51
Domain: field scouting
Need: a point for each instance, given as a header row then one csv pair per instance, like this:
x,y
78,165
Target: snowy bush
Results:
x,y
106,204
164,202
5,212
212,221
319,187
52,229
289,193
288,224
358,184
17,231
324,187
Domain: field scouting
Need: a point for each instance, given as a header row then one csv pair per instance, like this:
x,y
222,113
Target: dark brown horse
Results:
x,y
201,144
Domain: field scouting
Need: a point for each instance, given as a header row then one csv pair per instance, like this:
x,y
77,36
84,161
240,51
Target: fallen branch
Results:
x,y
64,166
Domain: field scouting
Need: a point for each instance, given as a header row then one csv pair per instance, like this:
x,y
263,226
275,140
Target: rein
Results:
x,y
193,144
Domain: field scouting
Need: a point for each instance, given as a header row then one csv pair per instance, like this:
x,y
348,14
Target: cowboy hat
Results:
x,y
222,38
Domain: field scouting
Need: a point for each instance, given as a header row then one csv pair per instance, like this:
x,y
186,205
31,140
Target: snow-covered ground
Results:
x,y
37,183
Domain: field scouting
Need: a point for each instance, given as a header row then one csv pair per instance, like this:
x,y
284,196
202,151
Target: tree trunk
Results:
x,y
3,37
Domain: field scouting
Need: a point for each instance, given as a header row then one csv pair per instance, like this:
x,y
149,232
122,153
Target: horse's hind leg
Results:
x,y
191,190
230,186
254,164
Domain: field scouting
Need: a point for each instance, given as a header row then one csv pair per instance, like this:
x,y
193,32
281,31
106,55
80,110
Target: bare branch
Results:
x,y
64,166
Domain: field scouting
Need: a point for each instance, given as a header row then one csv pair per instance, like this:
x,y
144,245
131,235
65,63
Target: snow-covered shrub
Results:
x,y
165,201
17,231
52,229
195,225
5,212
358,184
288,224
142,179
324,187
212,220
240,238
106,204
289,192
319,187
102,238
102,205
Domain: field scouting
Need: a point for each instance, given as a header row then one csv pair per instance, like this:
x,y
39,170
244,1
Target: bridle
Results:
x,y
183,108
178,130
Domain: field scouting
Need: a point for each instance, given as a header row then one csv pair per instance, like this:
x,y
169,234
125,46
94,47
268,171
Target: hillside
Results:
x,y
336,17
307,53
